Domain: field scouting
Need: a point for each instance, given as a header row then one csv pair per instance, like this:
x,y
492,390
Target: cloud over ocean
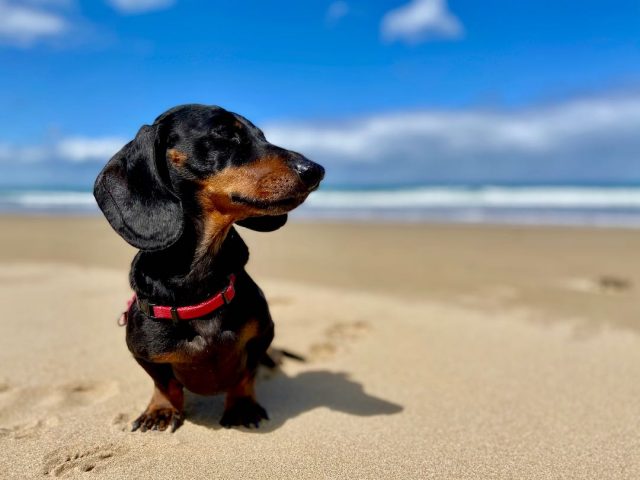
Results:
x,y
583,140
588,140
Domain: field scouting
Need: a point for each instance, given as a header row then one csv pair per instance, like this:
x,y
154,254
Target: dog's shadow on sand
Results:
x,y
285,397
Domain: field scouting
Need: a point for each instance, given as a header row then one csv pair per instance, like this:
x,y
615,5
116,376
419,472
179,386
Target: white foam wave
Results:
x,y
485,197
48,200
421,199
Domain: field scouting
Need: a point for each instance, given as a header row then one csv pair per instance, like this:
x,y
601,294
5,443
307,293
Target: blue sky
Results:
x,y
406,91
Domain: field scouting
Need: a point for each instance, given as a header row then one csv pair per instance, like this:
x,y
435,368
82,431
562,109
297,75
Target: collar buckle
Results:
x,y
229,291
146,307
225,296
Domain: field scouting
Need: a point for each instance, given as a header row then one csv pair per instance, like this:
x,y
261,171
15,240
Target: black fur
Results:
x,y
134,198
157,207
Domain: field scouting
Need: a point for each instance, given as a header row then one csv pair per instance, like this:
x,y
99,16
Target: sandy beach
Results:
x,y
433,351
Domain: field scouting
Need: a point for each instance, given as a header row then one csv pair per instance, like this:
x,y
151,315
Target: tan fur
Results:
x,y
172,397
267,179
176,157
246,388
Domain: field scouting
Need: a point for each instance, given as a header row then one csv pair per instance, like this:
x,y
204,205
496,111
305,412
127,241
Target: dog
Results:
x,y
198,321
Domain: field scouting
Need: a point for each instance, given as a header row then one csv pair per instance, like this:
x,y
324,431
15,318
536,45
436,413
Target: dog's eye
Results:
x,y
226,133
172,140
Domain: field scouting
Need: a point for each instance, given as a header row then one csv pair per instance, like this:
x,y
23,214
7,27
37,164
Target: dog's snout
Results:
x,y
309,172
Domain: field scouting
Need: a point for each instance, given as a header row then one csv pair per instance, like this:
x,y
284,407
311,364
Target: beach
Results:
x,y
432,351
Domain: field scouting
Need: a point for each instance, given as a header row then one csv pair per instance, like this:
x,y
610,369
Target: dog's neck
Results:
x,y
194,268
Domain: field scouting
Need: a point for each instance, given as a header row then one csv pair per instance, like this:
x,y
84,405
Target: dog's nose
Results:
x,y
309,172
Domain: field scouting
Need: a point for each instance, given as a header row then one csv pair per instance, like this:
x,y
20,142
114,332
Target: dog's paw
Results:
x,y
158,419
244,411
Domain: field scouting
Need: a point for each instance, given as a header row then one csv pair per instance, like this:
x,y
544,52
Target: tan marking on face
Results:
x,y
267,179
216,228
177,157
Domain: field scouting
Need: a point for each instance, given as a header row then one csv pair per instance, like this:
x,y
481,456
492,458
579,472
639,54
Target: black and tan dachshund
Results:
x,y
174,192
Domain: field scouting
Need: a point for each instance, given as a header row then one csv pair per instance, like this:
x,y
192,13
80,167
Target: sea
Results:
x,y
521,204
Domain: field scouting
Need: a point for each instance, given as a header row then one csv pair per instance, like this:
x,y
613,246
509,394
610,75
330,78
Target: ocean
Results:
x,y
588,205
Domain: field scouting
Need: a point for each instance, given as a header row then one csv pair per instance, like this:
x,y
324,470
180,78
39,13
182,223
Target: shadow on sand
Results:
x,y
287,397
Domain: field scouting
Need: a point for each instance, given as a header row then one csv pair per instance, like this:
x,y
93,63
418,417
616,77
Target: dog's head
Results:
x,y
200,161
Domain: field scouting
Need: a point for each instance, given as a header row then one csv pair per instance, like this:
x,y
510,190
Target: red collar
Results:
x,y
188,312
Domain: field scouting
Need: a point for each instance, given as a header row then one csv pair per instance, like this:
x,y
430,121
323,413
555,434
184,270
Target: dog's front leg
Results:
x,y
240,405
166,406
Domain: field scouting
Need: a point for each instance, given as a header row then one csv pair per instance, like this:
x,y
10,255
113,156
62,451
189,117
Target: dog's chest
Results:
x,y
218,357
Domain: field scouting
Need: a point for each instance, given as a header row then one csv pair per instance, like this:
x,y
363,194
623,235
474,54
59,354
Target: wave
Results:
x,y
570,205
47,200
481,197
421,197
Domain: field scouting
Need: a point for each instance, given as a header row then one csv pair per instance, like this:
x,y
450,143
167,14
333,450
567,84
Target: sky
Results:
x,y
383,93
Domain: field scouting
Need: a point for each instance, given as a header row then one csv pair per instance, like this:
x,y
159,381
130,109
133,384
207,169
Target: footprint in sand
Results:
x,y
609,284
69,460
337,337
121,422
29,429
76,394
42,405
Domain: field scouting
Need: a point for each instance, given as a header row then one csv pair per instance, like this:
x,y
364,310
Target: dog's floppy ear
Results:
x,y
131,193
264,223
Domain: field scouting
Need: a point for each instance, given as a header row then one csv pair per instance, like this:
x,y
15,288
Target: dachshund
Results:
x,y
198,320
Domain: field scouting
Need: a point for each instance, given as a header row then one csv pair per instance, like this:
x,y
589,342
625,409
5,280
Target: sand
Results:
x,y
433,352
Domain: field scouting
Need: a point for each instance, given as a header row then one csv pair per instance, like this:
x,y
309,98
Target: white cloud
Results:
x,y
589,138
25,23
70,150
82,149
420,20
336,11
21,154
139,6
